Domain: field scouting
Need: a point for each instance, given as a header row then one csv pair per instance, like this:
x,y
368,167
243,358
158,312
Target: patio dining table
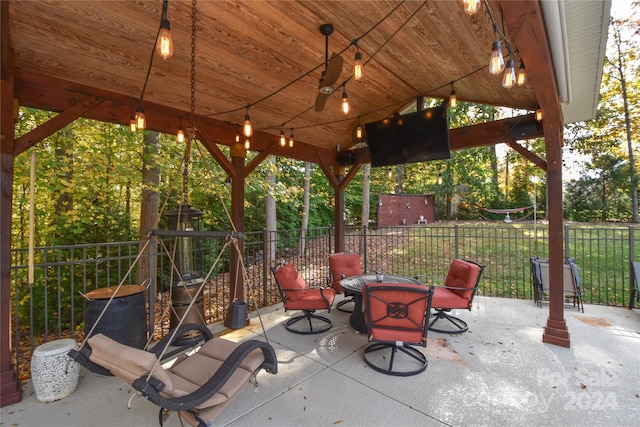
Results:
x,y
355,283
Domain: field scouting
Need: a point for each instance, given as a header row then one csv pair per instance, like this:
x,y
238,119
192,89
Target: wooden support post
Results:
x,y
10,391
339,211
556,331
236,279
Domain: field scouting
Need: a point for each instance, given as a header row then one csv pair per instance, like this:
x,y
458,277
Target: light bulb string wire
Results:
x,y
355,42
165,5
297,79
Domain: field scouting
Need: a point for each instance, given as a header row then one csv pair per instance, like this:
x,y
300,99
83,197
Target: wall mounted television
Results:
x,y
409,138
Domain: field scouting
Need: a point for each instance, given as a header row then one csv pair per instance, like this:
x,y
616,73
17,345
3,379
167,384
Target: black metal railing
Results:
x,y
53,306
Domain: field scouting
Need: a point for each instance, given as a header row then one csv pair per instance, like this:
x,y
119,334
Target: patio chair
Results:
x,y
198,386
296,295
570,283
397,318
457,293
341,266
536,281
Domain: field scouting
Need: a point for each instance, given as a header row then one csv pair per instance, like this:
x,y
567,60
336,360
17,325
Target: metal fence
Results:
x,y
54,307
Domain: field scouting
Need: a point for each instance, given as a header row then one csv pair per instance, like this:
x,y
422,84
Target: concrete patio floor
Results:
x,y
498,373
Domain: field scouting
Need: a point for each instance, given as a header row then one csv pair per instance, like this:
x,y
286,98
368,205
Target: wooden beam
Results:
x,y
37,91
53,125
532,157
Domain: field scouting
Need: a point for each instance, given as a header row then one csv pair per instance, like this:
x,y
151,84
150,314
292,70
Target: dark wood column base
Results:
x,y
9,389
556,333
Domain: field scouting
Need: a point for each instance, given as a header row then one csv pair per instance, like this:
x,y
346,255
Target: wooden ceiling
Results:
x,y
94,56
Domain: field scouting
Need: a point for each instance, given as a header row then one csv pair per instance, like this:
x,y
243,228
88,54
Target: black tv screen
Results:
x,y
410,138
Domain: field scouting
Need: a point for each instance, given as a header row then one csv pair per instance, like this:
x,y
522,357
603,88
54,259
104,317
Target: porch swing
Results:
x,y
201,383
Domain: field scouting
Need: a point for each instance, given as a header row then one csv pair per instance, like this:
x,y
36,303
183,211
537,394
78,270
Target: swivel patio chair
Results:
x,y
198,386
296,295
457,293
341,266
397,319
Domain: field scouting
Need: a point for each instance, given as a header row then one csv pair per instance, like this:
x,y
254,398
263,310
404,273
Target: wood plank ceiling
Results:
x,y
264,54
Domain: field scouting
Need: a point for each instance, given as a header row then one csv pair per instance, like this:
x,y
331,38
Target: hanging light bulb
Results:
x,y
132,124
237,138
509,76
357,65
291,139
345,101
471,6
539,115
359,131
496,61
164,44
522,74
247,129
180,135
247,144
453,100
283,139
141,121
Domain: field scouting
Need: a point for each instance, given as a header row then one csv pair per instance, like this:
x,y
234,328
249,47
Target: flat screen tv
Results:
x,y
409,138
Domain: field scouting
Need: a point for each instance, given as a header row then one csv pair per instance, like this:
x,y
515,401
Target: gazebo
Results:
x,y
263,62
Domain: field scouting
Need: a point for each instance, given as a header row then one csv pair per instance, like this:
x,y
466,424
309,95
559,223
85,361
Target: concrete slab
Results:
x,y
498,373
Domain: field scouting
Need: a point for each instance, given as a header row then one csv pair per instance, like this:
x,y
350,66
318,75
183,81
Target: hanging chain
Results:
x,y
191,132
193,64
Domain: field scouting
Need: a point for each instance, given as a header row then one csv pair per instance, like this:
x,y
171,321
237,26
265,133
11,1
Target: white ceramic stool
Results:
x,y
54,375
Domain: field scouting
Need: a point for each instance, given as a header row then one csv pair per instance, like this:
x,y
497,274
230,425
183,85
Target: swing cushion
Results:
x,y
187,374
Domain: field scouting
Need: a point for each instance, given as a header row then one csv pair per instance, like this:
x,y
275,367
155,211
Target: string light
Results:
x,y
496,61
357,64
509,77
180,134
164,44
345,101
522,74
539,115
247,144
237,138
291,139
283,139
453,100
359,131
471,6
141,121
247,129
132,124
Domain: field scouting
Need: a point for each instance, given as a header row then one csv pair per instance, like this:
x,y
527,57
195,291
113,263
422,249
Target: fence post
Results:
x,y
632,256
266,258
153,284
455,229
364,248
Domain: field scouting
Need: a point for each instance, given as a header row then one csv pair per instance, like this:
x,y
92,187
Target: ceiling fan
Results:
x,y
331,72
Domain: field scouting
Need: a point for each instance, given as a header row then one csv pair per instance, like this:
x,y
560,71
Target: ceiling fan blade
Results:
x,y
334,68
321,99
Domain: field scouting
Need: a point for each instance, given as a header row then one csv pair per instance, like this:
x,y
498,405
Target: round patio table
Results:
x,y
355,283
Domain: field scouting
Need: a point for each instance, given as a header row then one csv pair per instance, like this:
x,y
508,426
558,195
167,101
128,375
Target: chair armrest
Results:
x,y
214,384
82,357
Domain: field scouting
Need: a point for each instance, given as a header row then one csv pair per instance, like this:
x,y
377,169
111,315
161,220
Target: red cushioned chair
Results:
x,y
296,295
341,266
397,318
457,293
